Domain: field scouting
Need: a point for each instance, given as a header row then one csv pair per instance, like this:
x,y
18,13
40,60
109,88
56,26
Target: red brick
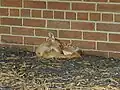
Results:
x,y
11,21
96,0
47,14
114,37
116,1
12,39
70,34
108,27
108,7
25,12
22,31
36,13
64,41
59,15
82,16
3,12
107,17
35,4
94,36
70,15
11,3
83,6
33,40
14,12
58,24
95,16
114,55
96,53
34,22
117,18
44,32
82,25
59,5
4,29
84,44
108,46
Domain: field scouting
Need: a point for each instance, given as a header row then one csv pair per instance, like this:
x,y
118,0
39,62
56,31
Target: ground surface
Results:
x,y
21,70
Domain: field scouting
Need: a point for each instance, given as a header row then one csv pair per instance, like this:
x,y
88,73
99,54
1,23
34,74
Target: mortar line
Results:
x,y
113,16
70,25
76,16
34,31
96,27
82,35
96,46
96,6
53,14
20,13
23,38
46,23
11,30
65,15
9,12
31,13
108,37
22,22
101,17
41,13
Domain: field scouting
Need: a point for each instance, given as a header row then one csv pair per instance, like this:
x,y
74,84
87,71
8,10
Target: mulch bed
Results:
x,y
22,70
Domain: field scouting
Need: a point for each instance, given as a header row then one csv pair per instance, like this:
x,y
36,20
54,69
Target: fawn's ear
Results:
x,y
51,35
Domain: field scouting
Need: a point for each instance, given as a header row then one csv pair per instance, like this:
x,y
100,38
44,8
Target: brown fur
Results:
x,y
54,48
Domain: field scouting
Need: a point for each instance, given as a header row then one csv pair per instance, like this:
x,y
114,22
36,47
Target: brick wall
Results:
x,y
93,25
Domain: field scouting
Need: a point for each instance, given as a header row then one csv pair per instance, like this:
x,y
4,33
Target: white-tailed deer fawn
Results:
x,y
54,48
71,51
50,46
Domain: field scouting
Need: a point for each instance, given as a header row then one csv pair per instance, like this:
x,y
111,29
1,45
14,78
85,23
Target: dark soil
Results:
x,y
22,70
